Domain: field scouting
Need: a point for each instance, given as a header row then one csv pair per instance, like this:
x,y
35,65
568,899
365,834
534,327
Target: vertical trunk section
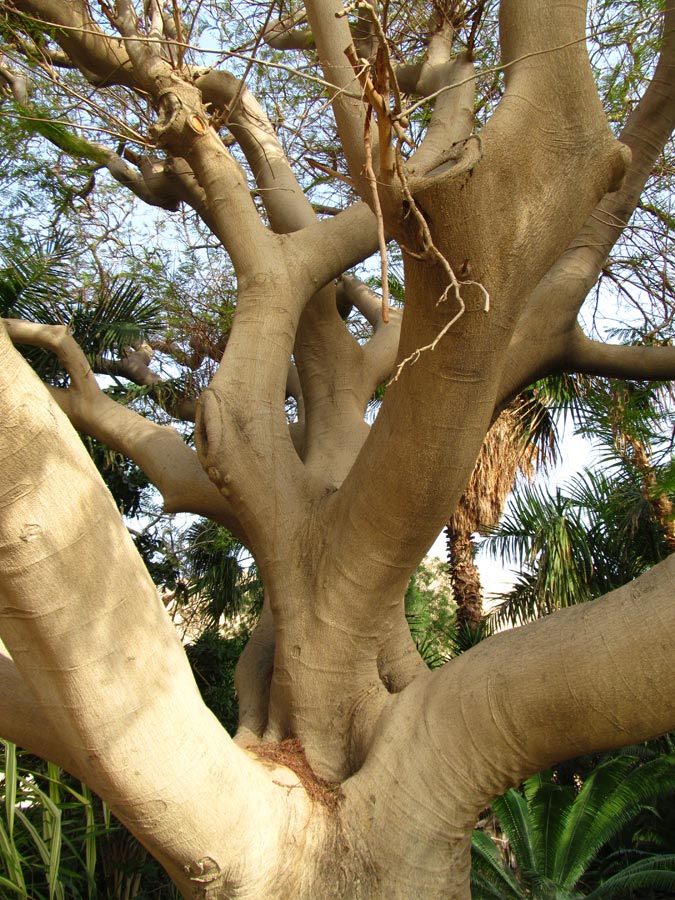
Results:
x,y
464,578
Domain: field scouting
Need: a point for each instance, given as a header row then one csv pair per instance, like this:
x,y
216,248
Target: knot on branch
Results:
x,y
181,115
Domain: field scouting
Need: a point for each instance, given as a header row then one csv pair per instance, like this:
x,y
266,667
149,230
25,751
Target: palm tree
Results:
x,y
521,440
552,835
604,528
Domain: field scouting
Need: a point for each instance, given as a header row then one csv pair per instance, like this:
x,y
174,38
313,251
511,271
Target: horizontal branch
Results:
x,y
332,246
285,35
134,367
618,361
585,679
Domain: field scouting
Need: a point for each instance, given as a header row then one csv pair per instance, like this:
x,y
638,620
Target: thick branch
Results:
x,y
548,132
333,37
96,54
98,649
332,246
159,450
619,361
16,83
330,364
542,341
134,366
366,301
452,120
253,677
284,35
287,207
585,679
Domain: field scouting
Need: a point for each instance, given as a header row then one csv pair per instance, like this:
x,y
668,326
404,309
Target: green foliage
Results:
x,y
600,531
41,122
59,842
431,612
220,573
213,658
36,284
556,832
47,832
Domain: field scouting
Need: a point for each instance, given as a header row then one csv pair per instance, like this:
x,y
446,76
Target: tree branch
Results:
x,y
103,652
159,450
523,691
332,246
542,341
284,35
287,207
134,367
98,55
333,38
619,361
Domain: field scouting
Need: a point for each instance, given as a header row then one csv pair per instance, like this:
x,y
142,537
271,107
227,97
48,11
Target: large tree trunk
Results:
x,y
358,805
356,772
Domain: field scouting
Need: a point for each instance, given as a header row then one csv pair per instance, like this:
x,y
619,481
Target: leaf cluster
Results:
x,y
554,834
37,284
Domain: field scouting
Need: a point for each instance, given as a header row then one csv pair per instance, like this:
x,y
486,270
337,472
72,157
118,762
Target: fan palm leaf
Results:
x,y
217,573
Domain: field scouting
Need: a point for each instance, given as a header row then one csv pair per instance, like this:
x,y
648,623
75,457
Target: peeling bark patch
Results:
x,y
291,753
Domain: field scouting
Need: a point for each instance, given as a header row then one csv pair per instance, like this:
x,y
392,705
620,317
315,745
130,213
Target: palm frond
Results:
x,y
490,877
118,317
512,811
32,273
216,571
548,804
612,795
467,636
656,873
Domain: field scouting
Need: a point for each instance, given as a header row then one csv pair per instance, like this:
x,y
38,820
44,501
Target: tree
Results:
x,y
521,441
355,771
604,528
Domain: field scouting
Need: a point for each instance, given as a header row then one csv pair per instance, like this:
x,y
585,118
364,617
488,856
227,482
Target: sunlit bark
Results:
x,y
356,772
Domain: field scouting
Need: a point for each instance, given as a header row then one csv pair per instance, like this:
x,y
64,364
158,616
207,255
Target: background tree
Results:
x,y
605,527
354,771
522,441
